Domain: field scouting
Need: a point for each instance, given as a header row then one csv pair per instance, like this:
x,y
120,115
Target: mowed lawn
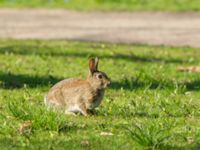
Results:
x,y
107,5
150,105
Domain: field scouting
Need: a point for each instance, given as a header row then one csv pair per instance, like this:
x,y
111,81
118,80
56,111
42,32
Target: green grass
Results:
x,y
107,5
149,105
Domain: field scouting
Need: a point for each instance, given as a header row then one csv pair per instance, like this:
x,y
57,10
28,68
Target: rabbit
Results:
x,y
79,96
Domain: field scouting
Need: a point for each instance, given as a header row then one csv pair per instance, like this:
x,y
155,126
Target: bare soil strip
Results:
x,y
173,29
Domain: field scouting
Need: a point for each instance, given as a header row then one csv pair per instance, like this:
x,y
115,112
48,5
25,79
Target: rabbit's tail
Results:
x,y
46,102
45,99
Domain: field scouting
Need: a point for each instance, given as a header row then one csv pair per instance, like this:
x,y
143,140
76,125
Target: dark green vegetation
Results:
x,y
129,5
149,105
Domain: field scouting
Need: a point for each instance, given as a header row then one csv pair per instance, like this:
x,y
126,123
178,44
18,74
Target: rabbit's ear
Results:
x,y
96,63
92,65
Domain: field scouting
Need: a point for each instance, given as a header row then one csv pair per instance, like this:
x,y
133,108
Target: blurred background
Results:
x,y
106,5
154,22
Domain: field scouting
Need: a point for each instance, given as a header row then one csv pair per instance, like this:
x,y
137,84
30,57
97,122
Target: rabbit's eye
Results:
x,y
100,76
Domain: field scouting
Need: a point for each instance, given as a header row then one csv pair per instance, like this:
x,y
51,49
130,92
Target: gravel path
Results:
x,y
175,29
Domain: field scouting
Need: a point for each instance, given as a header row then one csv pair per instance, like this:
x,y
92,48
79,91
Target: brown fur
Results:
x,y
77,95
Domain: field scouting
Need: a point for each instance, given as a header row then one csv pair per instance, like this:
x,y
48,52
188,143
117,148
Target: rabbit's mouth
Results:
x,y
107,84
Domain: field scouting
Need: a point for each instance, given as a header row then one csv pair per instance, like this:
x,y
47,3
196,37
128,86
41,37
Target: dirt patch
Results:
x,y
174,29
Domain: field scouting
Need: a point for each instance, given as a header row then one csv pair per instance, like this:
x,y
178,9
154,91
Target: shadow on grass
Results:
x,y
55,52
156,84
12,81
193,86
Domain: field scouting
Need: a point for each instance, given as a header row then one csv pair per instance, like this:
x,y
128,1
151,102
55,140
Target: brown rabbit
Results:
x,y
76,95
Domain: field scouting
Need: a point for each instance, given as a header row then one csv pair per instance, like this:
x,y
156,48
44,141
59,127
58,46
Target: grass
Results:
x,y
107,5
149,105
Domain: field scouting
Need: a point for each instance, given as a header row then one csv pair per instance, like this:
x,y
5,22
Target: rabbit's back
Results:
x,y
63,92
